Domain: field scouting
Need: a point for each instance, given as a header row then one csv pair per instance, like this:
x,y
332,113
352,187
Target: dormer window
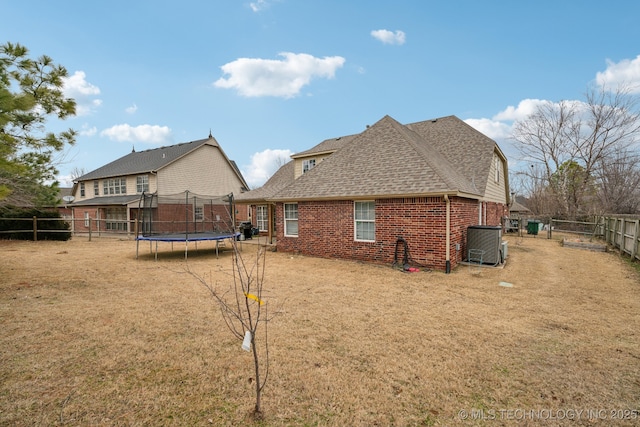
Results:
x,y
307,165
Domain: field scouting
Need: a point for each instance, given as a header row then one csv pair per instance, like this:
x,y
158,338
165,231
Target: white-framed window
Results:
x,y
364,215
114,186
142,184
86,219
262,217
291,219
308,164
96,188
116,219
82,189
198,213
497,164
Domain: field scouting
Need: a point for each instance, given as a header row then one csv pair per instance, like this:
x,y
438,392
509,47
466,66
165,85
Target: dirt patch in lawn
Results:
x,y
92,336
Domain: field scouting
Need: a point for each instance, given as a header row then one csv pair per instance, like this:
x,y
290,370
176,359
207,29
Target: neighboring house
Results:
x,y
517,209
109,196
357,197
517,213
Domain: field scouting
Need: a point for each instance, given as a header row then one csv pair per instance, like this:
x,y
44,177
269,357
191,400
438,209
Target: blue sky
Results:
x,y
270,78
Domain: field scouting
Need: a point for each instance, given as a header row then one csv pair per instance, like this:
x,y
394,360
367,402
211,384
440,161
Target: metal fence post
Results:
x,y
35,229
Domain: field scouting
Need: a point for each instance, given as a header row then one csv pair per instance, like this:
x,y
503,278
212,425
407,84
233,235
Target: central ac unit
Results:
x,y
487,240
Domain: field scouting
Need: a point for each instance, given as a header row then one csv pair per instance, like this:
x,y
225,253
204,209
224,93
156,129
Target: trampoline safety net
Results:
x,y
185,215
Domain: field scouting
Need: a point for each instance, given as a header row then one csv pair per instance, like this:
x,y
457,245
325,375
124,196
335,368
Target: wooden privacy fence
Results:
x,y
623,233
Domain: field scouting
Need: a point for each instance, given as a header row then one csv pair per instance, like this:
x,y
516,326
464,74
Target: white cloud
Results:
x,y
87,107
263,165
76,85
500,125
389,37
84,93
88,131
254,77
132,109
625,73
492,128
257,6
525,108
65,180
151,134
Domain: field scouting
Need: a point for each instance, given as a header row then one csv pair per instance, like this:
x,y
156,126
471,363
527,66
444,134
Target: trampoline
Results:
x,y
185,217
197,237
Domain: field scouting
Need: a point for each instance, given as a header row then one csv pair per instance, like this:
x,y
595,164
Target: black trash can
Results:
x,y
246,228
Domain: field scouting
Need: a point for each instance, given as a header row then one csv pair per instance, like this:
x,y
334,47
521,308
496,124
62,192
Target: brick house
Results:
x,y
107,199
357,197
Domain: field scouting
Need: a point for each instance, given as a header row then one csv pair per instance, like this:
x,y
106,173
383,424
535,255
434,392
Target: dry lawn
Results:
x,y
92,336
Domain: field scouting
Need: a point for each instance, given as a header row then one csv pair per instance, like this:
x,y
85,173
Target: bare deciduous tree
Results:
x,y
619,183
578,136
77,172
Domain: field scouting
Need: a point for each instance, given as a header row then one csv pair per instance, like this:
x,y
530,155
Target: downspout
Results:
x,y
270,213
448,235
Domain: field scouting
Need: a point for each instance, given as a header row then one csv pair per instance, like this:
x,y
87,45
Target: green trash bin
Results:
x,y
533,226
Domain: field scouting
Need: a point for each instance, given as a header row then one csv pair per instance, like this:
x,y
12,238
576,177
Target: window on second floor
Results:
x,y
142,183
82,189
96,188
308,164
114,186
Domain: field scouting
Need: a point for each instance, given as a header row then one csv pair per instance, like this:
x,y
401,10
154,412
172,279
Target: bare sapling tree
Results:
x,y
244,310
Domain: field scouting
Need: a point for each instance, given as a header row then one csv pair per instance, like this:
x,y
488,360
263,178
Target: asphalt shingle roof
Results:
x,y
108,200
146,161
468,150
328,145
386,160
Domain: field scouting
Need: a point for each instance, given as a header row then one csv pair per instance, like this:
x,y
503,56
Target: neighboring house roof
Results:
x,y
65,191
152,160
283,177
517,207
108,200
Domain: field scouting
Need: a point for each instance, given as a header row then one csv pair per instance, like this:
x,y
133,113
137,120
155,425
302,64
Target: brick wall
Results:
x,y
326,229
